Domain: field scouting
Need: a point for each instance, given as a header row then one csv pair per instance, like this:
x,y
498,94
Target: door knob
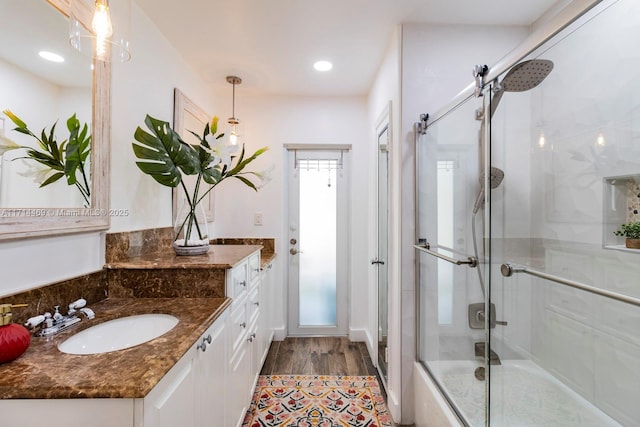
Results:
x,y
294,251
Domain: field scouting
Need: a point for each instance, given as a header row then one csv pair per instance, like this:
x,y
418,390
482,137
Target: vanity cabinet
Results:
x,y
242,333
193,392
211,385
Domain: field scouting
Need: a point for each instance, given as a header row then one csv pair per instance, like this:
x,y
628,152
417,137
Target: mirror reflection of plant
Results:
x,y
165,156
68,158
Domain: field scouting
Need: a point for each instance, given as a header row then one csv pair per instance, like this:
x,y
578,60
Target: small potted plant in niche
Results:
x,y
631,231
166,157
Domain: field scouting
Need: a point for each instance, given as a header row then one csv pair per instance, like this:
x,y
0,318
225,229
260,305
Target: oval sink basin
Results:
x,y
118,334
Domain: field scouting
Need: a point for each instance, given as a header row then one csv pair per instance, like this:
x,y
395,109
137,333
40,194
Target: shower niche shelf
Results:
x,y
621,204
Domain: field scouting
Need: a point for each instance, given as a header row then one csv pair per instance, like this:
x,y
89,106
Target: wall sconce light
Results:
x,y
233,120
100,29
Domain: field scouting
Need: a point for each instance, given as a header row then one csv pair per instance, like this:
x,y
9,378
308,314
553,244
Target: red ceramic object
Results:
x,y
14,340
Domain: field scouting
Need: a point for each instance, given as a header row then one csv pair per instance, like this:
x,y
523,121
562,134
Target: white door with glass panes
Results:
x,y
318,245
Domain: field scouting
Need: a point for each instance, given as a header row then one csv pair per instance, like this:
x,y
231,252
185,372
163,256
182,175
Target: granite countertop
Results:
x,y
219,256
43,372
266,258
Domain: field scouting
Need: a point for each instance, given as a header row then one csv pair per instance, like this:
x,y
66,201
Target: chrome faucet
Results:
x,y
51,324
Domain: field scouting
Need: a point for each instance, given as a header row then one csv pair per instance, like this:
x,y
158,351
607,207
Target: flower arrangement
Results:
x,y
69,158
166,157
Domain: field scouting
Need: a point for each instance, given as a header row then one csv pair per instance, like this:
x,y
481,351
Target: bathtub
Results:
x,y
522,395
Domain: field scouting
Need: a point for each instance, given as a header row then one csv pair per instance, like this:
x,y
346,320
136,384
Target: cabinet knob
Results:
x,y
251,337
243,324
203,345
257,303
243,283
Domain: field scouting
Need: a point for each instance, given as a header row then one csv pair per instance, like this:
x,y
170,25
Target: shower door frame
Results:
x,y
563,19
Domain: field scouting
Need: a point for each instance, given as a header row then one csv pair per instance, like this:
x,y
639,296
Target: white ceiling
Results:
x,y
272,44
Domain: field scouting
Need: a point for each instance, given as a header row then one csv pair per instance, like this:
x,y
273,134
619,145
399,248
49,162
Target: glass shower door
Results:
x,y
561,279
452,337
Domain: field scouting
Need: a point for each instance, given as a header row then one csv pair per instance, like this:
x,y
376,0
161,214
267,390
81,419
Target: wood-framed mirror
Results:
x,y
188,116
45,23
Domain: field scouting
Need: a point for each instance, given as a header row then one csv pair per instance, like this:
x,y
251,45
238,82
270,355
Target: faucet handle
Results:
x,y
76,305
34,321
88,313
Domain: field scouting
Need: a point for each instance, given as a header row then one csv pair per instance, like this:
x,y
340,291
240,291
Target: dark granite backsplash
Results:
x,y
166,283
92,287
133,283
130,244
268,244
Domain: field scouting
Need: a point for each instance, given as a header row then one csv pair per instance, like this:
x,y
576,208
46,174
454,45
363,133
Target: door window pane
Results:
x,y
318,234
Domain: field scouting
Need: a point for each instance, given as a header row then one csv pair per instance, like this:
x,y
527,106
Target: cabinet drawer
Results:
x,y
239,280
239,325
254,303
254,266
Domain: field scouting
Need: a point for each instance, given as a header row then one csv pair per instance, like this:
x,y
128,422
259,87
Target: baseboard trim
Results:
x,y
358,334
279,334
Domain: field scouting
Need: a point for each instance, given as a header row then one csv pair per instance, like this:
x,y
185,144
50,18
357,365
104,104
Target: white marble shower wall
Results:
x,y
548,212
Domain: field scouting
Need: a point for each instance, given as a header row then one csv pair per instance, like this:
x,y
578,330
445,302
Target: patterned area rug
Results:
x,y
317,401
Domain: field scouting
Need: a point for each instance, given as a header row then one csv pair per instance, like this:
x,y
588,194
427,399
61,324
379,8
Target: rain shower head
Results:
x,y
520,78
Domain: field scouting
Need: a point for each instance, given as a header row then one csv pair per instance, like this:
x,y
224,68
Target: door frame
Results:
x,y
383,123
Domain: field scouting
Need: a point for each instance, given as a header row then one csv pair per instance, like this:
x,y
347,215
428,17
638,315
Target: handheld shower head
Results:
x,y
522,77
496,175
495,178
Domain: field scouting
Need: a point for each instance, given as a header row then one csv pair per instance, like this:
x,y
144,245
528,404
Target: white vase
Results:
x,y
191,231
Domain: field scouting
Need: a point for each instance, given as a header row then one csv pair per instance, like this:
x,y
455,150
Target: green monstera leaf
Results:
x,y
163,154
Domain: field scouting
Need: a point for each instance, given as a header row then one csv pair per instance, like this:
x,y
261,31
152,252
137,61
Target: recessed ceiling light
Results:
x,y
323,65
50,56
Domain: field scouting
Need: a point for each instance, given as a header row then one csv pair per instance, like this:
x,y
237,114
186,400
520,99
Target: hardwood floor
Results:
x,y
318,356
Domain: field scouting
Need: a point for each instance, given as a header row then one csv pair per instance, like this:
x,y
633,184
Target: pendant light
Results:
x,y
100,28
233,120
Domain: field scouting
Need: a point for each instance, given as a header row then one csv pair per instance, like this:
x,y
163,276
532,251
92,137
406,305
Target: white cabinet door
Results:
x,y
193,392
211,393
171,402
76,412
238,385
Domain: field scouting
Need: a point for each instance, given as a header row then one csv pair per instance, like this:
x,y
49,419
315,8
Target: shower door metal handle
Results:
x,y
470,261
508,270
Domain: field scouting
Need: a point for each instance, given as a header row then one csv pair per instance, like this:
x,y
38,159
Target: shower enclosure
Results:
x,y
529,303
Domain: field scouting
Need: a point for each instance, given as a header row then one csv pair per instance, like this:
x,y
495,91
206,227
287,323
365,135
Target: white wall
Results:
x,y
385,90
143,85
277,120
